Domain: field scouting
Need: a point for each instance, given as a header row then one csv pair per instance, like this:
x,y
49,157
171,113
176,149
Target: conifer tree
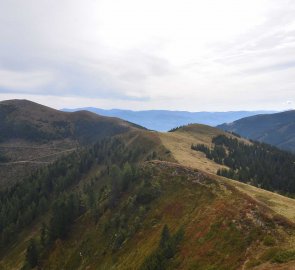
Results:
x,y
32,255
165,236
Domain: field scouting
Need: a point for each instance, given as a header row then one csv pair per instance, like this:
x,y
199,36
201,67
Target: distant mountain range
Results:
x,y
277,129
164,120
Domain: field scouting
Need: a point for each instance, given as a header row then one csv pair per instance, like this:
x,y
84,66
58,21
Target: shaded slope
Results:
x,y
33,135
277,129
23,119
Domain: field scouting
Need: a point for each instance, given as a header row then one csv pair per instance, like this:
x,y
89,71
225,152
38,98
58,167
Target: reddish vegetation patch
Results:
x,y
222,207
199,228
270,266
174,209
281,220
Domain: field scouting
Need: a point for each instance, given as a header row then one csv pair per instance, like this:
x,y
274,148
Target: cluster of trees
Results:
x,y
128,219
166,250
64,211
28,199
122,225
258,163
120,181
218,154
32,197
235,134
176,128
51,190
125,221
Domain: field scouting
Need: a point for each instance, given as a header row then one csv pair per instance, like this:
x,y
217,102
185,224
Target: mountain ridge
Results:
x,y
277,129
167,119
146,200
34,135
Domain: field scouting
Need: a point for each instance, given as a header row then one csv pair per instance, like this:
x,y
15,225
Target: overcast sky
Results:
x,y
213,55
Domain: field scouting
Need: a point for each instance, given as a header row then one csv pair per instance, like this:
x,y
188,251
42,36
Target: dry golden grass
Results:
x,y
179,143
280,204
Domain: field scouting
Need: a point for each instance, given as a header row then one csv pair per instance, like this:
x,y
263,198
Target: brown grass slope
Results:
x,y
179,143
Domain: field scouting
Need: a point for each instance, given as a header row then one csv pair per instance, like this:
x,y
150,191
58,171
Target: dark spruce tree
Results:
x,y
32,255
167,248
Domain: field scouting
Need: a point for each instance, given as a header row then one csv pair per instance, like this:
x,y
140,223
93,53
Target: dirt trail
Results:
x,y
35,160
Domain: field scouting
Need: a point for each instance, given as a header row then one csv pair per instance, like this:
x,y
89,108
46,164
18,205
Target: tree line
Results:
x,y
260,164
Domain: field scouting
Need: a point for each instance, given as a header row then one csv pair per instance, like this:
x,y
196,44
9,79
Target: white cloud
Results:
x,y
25,80
188,54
